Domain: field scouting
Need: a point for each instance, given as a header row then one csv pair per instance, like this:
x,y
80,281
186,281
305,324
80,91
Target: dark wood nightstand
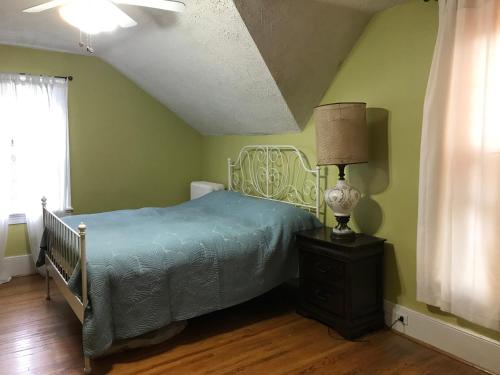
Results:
x,y
341,281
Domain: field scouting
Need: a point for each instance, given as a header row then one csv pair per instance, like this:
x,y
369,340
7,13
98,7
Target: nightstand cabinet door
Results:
x,y
341,281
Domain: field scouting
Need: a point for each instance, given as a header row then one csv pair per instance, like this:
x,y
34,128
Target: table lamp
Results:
x,y
341,139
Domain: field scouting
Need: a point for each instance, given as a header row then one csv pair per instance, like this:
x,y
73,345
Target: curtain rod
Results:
x,y
69,78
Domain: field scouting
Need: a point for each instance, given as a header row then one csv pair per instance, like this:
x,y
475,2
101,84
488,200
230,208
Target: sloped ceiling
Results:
x,y
303,44
242,67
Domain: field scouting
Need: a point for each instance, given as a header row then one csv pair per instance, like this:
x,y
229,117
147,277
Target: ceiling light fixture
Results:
x,y
94,16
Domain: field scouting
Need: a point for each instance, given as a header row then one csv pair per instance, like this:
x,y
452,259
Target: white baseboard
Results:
x,y
472,347
20,265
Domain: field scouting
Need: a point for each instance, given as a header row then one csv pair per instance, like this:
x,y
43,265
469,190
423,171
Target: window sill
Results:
x,y
21,218
17,219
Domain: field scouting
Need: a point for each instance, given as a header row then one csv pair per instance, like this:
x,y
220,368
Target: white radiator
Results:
x,y
200,188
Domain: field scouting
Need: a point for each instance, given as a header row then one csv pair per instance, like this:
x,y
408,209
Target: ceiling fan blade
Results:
x,y
46,6
172,5
124,20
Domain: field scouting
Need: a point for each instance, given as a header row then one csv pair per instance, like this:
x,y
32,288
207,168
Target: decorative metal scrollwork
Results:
x,y
280,173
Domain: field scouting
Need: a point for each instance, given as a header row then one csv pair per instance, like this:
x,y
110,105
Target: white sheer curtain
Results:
x,y
5,172
458,241
34,111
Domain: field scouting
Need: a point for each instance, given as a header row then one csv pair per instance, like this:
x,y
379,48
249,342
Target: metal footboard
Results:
x,y
65,251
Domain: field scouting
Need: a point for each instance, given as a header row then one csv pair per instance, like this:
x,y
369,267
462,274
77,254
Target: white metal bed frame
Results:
x,y
273,172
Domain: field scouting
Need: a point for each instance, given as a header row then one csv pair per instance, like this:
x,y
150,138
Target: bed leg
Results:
x,y
47,283
87,369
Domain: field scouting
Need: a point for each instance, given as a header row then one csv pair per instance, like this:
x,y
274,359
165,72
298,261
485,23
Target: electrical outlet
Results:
x,y
403,318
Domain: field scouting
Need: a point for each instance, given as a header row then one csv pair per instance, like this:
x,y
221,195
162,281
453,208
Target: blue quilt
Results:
x,y
151,266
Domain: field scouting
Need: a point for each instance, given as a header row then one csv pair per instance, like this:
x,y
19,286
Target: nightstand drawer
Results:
x,y
323,269
325,297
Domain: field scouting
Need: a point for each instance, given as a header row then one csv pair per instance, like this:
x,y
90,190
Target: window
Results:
x,y
458,233
34,152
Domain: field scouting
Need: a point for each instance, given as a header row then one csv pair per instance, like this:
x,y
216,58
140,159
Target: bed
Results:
x,y
135,271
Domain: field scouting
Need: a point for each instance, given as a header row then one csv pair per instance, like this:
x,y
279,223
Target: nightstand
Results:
x,y
341,281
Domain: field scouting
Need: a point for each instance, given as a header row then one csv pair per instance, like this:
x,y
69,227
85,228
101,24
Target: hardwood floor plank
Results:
x,y
263,336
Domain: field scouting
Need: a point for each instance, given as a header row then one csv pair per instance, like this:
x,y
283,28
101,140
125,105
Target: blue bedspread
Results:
x,y
151,266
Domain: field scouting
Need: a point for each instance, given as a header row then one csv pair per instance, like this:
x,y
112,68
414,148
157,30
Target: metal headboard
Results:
x,y
279,173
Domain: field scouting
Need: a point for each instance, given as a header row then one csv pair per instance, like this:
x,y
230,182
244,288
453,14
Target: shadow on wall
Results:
x,y
372,177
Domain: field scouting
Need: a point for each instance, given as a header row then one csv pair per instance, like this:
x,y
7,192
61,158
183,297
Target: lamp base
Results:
x,y
342,231
342,199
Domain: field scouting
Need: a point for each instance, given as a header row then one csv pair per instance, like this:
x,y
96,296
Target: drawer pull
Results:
x,y
321,295
323,268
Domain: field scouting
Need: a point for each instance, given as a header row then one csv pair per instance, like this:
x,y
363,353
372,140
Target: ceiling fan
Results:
x,y
95,16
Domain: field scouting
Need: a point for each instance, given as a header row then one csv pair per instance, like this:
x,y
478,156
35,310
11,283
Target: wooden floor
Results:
x,y
264,336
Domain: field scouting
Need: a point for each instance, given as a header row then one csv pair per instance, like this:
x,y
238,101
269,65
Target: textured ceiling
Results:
x,y
202,63
224,68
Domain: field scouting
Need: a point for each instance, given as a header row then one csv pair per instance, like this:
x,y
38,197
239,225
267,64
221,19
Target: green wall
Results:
x,y
17,241
388,69
127,150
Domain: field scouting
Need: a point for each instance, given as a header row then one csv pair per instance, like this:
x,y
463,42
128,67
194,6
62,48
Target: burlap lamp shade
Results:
x,y
341,133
